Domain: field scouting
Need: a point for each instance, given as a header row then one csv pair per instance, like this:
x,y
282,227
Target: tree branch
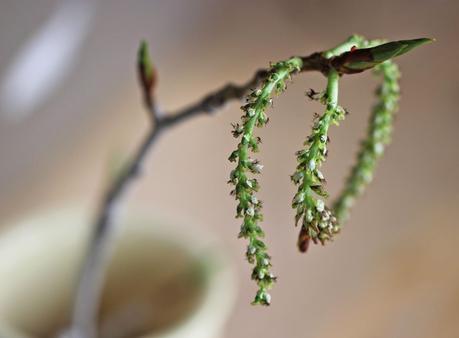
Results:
x,y
89,290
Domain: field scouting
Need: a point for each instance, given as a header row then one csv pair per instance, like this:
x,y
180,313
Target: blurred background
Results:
x,y
70,106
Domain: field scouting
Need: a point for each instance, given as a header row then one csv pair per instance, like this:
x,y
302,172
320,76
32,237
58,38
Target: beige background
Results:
x,y
393,272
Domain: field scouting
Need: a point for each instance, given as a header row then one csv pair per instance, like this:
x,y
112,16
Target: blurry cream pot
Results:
x,y
163,281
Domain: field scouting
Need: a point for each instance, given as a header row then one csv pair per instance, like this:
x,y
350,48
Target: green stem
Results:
x,y
353,40
332,89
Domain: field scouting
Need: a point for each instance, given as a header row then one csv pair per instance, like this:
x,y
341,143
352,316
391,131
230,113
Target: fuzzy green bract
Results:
x,y
245,187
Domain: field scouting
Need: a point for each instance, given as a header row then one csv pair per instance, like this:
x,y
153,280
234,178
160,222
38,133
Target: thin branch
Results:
x,y
213,101
87,299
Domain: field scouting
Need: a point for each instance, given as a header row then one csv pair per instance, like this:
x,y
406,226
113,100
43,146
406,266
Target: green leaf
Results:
x,y
392,49
362,59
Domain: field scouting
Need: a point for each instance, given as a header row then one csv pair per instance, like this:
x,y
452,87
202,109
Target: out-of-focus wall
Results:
x,y
392,272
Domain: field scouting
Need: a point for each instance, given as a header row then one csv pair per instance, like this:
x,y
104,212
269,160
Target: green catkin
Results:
x,y
249,207
317,221
378,137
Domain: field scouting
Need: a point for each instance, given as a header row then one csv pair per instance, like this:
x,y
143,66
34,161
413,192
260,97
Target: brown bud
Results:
x,y
147,72
303,240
